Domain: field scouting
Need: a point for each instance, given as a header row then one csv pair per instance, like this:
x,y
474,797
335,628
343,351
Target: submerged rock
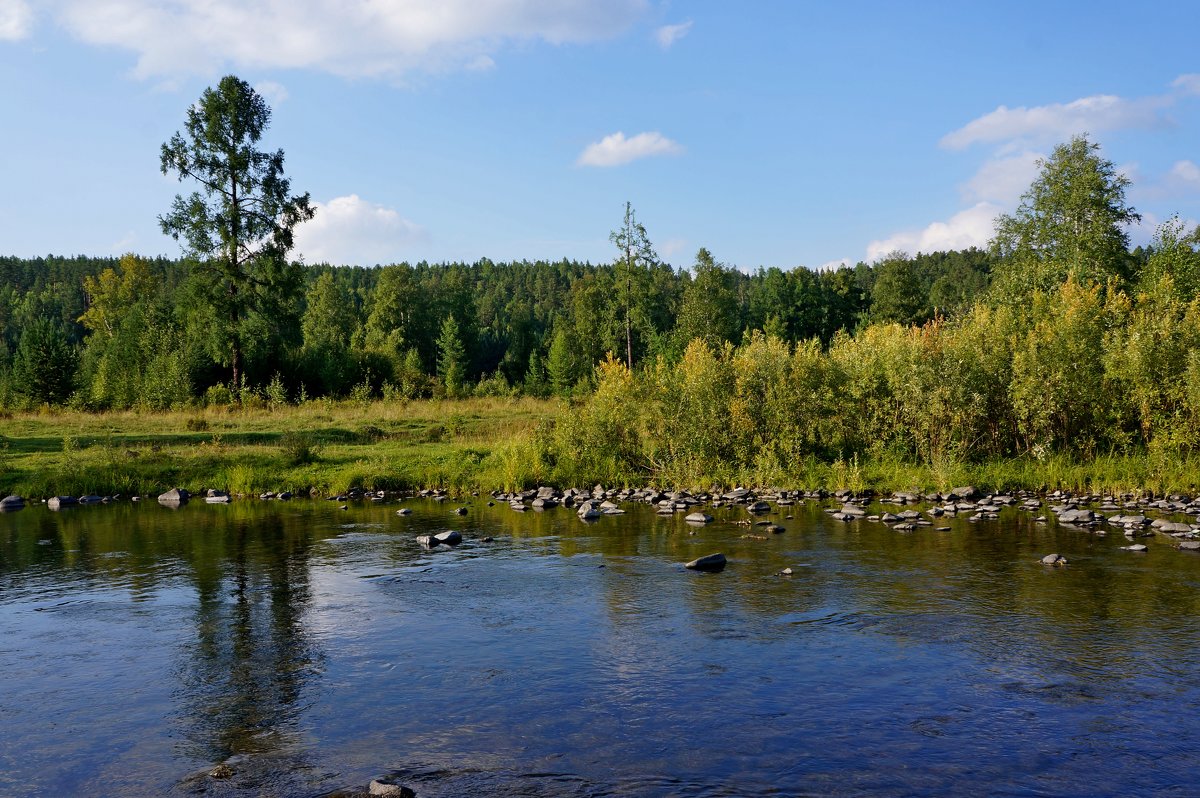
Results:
x,y
709,562
1054,559
1135,547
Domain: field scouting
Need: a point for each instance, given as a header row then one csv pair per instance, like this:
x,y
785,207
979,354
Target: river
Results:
x,y
313,648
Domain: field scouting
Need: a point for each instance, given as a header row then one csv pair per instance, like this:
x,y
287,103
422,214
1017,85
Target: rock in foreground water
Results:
x,y
710,562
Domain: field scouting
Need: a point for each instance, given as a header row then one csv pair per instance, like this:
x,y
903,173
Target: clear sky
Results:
x,y
781,133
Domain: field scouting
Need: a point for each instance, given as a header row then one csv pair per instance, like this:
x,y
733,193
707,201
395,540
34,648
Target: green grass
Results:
x,y
470,444
322,446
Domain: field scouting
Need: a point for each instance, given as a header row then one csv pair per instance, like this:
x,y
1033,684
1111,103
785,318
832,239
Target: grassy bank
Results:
x,y
326,446
461,445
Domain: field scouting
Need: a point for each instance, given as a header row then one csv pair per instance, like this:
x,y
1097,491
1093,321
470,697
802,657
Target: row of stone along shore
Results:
x,y
1135,515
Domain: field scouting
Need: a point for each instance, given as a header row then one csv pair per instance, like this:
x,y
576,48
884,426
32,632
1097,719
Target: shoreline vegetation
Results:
x,y
325,448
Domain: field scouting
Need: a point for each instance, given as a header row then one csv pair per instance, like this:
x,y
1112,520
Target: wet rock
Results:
x,y
460,511
221,771
758,507
448,538
774,529
9,503
215,496
966,492
404,511
589,511
710,562
389,787
1135,547
853,510
1054,559
785,572
58,502
1190,545
699,518
174,496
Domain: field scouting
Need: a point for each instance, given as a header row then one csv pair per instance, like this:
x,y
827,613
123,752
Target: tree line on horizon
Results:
x,y
117,333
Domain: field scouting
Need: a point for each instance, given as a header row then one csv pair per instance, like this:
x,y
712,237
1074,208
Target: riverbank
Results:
x,y
471,444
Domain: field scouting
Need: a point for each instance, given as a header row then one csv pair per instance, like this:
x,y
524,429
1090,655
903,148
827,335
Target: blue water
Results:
x,y
313,649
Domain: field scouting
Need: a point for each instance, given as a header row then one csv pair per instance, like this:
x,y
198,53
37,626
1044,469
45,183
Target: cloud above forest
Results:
x,y
973,227
16,20
358,39
616,150
1019,137
351,231
1056,122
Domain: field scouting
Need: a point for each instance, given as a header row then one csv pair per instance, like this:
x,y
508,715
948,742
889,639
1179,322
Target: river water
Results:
x,y
313,648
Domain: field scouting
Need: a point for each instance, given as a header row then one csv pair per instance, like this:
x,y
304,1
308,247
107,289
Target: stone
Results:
x,y
786,572
967,492
460,511
709,562
758,507
1135,547
404,511
774,529
1190,545
699,518
9,503
58,502
1054,559
174,496
389,787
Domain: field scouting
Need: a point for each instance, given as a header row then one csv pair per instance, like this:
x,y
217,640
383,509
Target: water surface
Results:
x,y
314,648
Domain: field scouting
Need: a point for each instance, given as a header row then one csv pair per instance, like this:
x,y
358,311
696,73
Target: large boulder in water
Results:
x,y
699,518
9,503
174,496
447,538
710,562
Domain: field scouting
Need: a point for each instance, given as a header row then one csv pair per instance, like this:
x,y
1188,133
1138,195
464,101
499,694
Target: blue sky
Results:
x,y
773,133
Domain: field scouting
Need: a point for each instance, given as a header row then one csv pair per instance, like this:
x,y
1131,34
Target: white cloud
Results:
x,y
1059,121
361,39
274,93
834,265
1002,180
669,34
973,227
1185,174
615,150
350,230
16,20
672,247
1188,84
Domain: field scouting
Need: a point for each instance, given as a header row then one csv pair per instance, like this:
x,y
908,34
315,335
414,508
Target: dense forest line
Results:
x,y
1057,338
107,333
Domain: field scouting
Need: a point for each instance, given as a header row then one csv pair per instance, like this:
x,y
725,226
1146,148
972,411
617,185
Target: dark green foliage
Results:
x,y
451,359
897,295
44,365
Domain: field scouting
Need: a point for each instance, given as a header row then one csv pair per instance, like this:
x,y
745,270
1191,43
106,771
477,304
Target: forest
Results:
x,y
1057,338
